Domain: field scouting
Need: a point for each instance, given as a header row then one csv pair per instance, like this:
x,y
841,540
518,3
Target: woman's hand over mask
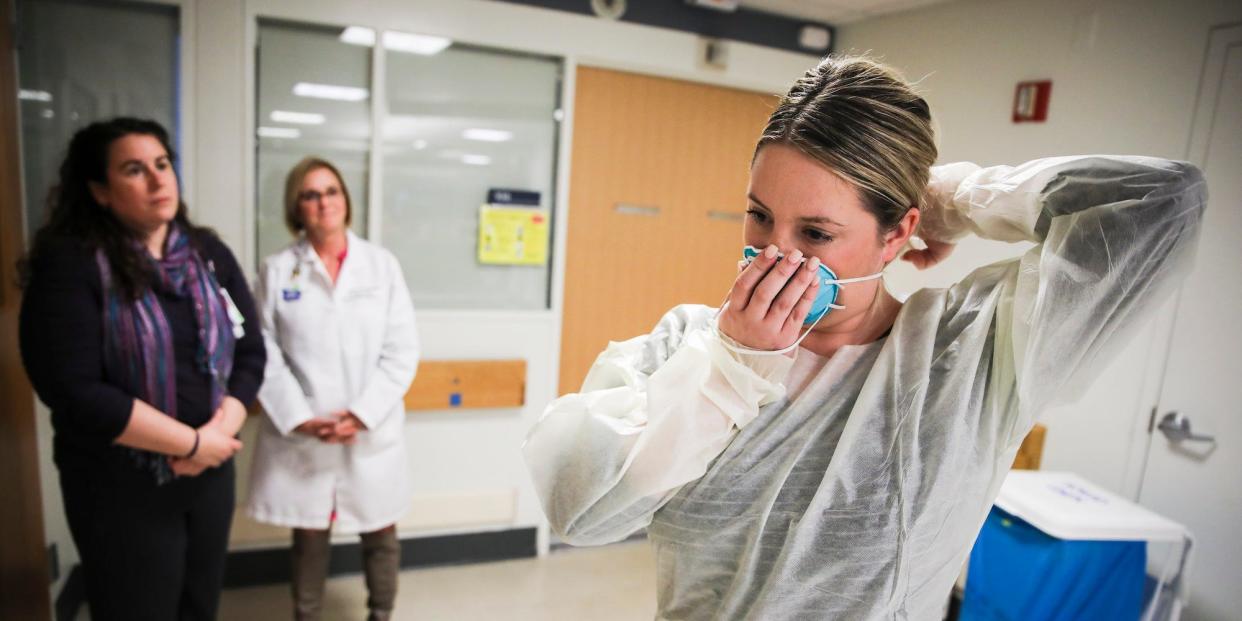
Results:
x,y
770,299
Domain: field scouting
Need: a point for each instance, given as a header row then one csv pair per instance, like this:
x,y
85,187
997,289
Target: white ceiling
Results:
x,y
836,12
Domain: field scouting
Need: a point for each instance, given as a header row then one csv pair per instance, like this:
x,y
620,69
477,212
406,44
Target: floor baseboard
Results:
x,y
271,566
246,568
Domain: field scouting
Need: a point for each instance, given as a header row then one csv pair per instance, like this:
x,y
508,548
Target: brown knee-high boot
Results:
x,y
311,551
381,560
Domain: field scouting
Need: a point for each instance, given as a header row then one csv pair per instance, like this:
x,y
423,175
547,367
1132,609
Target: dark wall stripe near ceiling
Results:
x,y
755,27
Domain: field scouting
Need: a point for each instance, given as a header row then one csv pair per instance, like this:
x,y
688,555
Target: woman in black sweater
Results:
x,y
139,332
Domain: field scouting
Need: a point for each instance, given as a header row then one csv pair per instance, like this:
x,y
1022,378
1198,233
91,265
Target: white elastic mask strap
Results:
x,y
785,350
846,281
724,340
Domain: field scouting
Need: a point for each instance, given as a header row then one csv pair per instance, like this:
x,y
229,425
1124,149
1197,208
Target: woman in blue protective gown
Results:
x,y
795,459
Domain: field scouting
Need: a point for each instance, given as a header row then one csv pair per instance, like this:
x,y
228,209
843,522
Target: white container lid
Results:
x,y
1066,506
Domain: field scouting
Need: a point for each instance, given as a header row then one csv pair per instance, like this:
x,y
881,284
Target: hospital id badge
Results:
x,y
235,316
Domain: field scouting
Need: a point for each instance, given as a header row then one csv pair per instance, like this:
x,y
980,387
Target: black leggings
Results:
x,y
149,552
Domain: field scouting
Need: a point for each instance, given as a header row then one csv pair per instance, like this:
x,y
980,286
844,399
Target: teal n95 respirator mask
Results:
x,y
825,300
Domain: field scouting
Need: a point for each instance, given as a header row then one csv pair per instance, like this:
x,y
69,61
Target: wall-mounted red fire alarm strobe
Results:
x,y
1030,101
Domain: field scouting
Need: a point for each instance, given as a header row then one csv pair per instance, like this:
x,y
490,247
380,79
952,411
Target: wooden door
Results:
x,y
657,196
23,561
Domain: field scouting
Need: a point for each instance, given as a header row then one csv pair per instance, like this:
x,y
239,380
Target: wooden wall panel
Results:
x,y
681,148
24,580
451,384
1031,453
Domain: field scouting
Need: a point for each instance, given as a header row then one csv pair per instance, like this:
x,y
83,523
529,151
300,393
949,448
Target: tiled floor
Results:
x,y
612,582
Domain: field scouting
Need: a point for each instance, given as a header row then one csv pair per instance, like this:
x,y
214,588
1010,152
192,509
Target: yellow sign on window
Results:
x,y
513,235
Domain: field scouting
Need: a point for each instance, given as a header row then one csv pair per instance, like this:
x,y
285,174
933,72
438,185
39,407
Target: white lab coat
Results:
x,y
352,346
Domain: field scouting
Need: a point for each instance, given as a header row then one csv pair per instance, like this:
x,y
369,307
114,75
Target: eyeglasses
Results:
x,y
311,196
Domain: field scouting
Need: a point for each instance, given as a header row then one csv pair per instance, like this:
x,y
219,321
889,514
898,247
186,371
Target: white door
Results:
x,y
1196,481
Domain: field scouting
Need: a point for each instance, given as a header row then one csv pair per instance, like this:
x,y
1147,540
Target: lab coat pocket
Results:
x,y
305,456
389,432
281,459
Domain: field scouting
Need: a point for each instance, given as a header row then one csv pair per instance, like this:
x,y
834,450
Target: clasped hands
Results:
x,y
217,441
340,427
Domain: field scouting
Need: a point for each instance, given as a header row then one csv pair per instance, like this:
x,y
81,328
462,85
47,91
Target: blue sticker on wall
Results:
x,y
455,399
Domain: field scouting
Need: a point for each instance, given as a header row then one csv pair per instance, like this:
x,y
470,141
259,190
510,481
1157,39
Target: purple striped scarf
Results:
x,y
138,343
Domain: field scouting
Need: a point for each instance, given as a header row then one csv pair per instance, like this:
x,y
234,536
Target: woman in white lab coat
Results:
x,y
342,351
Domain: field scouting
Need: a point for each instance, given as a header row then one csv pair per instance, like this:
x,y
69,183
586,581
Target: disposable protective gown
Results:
x,y
861,497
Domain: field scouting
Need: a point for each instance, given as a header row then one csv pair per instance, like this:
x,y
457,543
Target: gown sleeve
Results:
x,y
653,412
1114,236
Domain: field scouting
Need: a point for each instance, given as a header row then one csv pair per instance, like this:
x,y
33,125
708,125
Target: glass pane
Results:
x,y
460,122
74,70
314,99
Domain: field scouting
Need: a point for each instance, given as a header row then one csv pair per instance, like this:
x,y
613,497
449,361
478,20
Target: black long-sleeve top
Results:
x,y
61,335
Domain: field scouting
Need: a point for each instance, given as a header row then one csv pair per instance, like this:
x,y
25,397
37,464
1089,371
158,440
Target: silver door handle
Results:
x,y
1176,428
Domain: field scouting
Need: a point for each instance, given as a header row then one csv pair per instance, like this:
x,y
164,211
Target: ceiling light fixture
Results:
x,y
487,135
297,118
330,91
358,35
279,132
425,45
30,95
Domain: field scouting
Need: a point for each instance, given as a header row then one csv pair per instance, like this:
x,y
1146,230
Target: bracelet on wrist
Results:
x,y
193,449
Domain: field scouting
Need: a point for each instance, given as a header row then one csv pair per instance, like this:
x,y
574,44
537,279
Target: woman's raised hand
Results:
x,y
941,223
935,252
770,299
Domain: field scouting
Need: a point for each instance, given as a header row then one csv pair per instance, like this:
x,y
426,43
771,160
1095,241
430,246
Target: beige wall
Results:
x,y
1125,75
